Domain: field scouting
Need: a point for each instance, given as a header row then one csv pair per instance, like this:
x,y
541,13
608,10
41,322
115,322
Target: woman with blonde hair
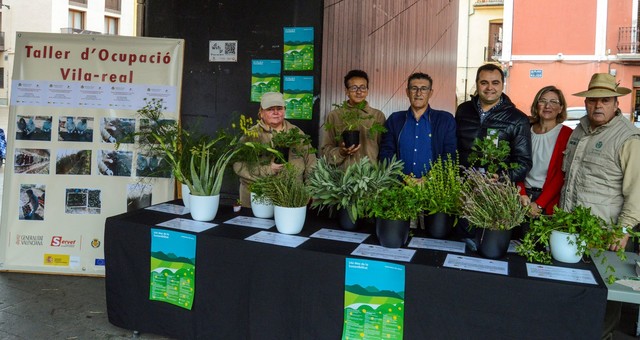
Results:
x,y
548,142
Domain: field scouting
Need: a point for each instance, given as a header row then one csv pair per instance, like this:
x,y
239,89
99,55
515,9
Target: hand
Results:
x,y
345,152
534,211
275,168
619,244
525,200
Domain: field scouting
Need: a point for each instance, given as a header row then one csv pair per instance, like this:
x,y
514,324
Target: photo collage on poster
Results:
x,y
77,160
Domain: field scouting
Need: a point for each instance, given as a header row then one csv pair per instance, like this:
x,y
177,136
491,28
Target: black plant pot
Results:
x,y
392,233
351,138
285,154
492,244
344,220
439,225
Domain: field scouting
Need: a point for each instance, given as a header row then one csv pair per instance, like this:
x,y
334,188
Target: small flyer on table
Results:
x,y
476,264
252,222
173,265
373,300
380,252
187,225
340,235
560,273
169,208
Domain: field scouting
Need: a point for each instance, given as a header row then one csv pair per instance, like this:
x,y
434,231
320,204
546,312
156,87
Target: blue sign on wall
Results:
x,y
535,73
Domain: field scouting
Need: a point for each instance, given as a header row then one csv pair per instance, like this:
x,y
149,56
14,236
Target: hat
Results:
x,y
603,85
270,99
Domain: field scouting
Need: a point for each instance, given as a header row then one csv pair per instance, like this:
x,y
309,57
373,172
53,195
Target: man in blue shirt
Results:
x,y
420,134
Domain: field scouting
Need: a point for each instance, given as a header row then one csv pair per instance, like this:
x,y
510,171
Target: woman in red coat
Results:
x,y
548,141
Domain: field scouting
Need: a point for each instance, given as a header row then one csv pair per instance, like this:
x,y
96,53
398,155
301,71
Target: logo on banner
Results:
x,y
29,240
95,243
100,262
56,260
58,241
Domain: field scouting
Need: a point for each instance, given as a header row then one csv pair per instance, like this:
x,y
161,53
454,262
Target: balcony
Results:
x,y
629,43
487,3
2,49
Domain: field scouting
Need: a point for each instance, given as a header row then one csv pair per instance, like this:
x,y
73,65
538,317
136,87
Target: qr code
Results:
x,y
230,48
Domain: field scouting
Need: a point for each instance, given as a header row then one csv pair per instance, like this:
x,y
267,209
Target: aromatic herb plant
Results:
x,y
286,188
441,187
491,154
593,234
398,202
351,188
491,203
353,117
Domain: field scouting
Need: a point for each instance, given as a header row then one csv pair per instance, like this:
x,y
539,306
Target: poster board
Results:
x,y
72,98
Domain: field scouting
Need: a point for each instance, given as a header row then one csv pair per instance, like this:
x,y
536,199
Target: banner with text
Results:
x,y
73,97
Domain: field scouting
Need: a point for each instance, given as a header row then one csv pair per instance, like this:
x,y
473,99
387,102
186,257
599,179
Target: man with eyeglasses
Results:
x,y
420,134
491,113
356,84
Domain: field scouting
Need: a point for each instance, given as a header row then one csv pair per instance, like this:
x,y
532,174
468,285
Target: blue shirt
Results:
x,y
414,144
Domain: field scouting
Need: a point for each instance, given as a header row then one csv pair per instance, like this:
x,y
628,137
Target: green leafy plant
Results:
x,y
491,203
441,187
491,154
295,139
351,188
593,235
284,189
398,202
353,117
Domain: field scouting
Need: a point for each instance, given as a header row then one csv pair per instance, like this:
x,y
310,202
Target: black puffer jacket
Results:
x,y
512,125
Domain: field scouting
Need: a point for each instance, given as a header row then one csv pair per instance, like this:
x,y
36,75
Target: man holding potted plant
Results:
x,y
271,115
354,114
420,134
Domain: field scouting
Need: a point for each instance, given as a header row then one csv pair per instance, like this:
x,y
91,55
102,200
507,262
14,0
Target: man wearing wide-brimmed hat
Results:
x,y
602,159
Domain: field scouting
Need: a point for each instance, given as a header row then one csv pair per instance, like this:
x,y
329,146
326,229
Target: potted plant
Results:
x,y
394,207
353,118
490,154
493,206
261,205
349,189
164,137
440,196
290,197
285,141
567,236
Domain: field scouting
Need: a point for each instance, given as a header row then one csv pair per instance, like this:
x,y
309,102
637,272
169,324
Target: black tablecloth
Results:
x,y
250,290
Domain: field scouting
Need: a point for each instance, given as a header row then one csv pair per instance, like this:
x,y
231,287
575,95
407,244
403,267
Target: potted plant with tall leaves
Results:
x,y
349,189
440,193
290,197
292,140
493,206
353,117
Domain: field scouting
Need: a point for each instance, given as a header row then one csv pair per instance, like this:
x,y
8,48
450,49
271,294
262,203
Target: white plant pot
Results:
x,y
261,210
204,208
185,195
561,250
289,220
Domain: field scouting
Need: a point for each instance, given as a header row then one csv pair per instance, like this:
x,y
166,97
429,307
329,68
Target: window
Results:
x,y
76,19
1,77
113,5
494,50
110,25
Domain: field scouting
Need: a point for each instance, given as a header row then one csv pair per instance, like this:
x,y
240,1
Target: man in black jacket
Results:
x,y
492,113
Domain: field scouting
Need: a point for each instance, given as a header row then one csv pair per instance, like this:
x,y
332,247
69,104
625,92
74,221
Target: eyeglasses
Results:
x,y
415,89
355,88
552,102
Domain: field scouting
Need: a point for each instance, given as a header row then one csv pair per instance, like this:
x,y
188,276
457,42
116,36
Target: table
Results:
x,y
249,290
615,291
